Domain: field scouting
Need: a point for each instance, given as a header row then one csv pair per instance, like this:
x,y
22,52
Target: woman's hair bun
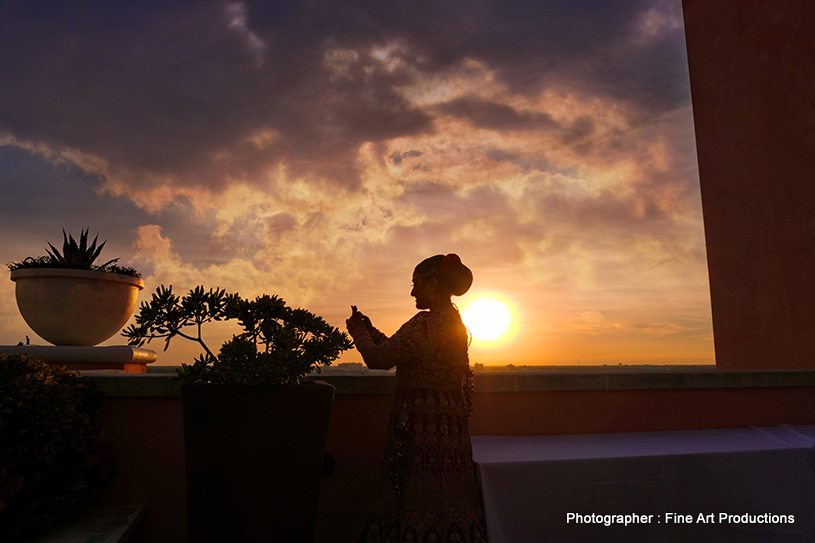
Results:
x,y
454,276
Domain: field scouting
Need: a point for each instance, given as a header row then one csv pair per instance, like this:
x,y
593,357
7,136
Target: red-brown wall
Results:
x,y
359,425
751,73
150,457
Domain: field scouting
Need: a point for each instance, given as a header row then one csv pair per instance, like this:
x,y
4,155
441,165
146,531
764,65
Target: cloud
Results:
x,y
201,94
320,150
397,157
485,114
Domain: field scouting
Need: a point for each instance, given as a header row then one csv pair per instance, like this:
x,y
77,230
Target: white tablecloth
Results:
x,y
531,484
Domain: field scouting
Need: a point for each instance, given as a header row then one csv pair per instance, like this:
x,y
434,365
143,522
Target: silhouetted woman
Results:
x,y
428,486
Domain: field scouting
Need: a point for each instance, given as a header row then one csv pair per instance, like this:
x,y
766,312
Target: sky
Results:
x,y
319,150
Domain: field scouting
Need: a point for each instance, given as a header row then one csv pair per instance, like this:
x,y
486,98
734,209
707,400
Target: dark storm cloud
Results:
x,y
182,90
485,114
580,128
397,157
203,92
281,223
38,199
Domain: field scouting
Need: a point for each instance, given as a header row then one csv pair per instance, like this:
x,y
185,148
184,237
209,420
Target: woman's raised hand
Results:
x,y
356,317
359,316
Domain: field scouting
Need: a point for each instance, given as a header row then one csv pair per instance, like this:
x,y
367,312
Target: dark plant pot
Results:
x,y
254,460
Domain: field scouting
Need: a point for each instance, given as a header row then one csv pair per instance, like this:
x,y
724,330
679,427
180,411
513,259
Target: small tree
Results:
x,y
279,345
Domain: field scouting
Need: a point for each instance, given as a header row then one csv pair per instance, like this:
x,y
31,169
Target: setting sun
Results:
x,y
486,319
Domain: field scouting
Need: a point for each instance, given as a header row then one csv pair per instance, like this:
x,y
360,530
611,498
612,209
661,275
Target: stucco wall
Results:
x,y
145,411
751,73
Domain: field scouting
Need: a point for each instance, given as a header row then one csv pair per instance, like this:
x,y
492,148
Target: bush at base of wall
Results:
x,y
49,450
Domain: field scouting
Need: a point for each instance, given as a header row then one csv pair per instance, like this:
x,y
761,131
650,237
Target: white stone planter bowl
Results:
x,y
75,307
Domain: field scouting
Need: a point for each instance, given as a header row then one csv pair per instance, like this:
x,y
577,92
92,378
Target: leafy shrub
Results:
x,y
49,450
78,256
279,345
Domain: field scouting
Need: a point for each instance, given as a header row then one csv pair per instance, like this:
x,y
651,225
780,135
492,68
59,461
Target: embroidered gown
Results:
x,y
428,491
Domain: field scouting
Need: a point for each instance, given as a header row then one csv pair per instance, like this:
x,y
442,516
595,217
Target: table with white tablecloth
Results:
x,y
744,484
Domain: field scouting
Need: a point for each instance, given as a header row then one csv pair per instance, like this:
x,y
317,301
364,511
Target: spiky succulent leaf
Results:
x,y
75,256
54,254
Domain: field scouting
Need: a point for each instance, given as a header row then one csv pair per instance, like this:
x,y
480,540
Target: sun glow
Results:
x,y
487,319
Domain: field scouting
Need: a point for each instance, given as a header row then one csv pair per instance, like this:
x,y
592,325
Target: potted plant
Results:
x,y
254,427
50,452
68,300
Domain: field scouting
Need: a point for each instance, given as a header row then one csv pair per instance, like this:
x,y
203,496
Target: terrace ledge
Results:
x,y
163,384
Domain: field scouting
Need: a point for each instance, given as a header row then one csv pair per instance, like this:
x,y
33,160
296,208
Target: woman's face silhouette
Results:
x,y
422,291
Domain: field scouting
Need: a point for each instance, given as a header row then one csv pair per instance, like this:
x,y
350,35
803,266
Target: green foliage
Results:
x,y
279,345
49,444
78,256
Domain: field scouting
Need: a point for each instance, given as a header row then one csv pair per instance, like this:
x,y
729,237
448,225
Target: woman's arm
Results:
x,y
377,336
367,348
387,352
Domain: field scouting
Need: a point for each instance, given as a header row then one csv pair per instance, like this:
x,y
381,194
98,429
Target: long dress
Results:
x,y
428,491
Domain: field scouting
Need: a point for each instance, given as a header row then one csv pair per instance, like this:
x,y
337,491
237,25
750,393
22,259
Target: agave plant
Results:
x,y
80,256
